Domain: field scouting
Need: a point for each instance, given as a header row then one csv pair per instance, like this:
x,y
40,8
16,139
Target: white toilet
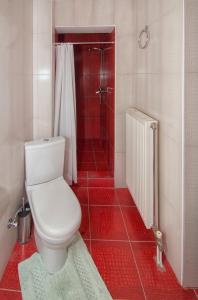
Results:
x,y
55,209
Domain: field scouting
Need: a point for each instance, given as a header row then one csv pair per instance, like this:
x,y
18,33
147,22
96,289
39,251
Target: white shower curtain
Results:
x,y
65,108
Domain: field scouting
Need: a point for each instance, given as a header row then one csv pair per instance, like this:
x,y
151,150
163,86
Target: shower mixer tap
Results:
x,y
101,91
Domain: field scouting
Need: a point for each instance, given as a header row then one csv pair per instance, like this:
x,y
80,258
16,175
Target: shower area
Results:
x,y
94,60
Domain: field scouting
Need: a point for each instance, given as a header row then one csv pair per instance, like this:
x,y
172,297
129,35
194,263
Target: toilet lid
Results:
x,y
56,209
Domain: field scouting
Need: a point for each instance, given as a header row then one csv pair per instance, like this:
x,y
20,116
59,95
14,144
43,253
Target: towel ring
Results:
x,y
146,32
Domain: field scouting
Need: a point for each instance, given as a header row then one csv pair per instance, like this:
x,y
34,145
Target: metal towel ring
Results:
x,y
146,32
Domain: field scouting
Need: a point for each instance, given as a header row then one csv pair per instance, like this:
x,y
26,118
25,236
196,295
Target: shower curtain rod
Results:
x,y
83,43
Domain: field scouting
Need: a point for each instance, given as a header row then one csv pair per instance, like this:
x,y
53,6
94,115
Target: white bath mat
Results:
x,y
77,280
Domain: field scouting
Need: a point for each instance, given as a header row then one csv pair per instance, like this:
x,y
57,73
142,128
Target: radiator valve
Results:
x,y
159,240
160,248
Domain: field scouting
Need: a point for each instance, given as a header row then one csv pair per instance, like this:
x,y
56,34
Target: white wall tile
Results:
x,y
44,15
190,244
44,44
120,139
15,110
43,68
120,165
35,16
64,13
83,16
190,271
191,32
45,109
125,17
125,55
103,12
191,109
171,43
125,92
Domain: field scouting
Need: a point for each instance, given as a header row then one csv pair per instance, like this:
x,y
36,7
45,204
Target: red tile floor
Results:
x,y
120,245
92,156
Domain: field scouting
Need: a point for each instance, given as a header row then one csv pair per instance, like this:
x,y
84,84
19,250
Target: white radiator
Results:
x,y
141,164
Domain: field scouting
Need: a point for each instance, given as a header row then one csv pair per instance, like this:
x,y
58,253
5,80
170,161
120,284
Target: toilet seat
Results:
x,y
55,210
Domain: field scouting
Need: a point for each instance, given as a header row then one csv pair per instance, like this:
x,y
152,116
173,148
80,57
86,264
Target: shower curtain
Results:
x,y
65,108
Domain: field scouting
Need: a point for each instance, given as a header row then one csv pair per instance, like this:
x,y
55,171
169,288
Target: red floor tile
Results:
x,y
158,285
102,196
117,268
21,252
106,223
125,197
81,194
10,278
10,295
100,182
135,226
84,228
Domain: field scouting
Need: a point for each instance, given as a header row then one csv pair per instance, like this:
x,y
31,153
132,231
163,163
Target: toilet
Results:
x,y
55,209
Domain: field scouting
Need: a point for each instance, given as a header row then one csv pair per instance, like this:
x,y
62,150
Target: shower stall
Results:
x,y
95,107
94,80
94,63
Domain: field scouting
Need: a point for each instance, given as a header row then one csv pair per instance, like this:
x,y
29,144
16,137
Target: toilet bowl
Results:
x,y
55,209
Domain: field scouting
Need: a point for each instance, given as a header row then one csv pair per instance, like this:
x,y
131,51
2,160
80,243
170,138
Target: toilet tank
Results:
x,y
44,160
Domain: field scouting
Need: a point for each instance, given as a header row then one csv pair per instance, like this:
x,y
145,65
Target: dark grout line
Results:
x,y
112,241
108,205
137,269
124,241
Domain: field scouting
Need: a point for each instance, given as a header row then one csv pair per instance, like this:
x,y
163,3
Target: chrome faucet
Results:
x,y
104,90
101,90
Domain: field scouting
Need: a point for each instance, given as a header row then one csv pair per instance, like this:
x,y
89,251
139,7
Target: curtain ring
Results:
x,y
146,32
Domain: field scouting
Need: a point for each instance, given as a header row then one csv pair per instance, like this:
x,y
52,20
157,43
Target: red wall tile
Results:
x,y
95,120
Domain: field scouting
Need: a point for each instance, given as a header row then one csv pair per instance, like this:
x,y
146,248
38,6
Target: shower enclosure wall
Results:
x,y
94,72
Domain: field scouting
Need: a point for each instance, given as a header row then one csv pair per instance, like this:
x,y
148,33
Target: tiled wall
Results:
x,y
122,14
159,94
109,102
190,242
42,68
87,67
15,112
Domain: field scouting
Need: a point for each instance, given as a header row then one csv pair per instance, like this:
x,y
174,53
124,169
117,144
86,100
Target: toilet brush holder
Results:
x,y
24,224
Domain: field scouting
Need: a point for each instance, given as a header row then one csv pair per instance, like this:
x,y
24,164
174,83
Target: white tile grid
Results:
x,y
42,61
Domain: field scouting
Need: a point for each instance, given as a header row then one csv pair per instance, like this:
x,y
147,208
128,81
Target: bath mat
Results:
x,y
77,280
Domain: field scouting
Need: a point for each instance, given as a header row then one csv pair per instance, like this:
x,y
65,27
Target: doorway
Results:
x,y
94,58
